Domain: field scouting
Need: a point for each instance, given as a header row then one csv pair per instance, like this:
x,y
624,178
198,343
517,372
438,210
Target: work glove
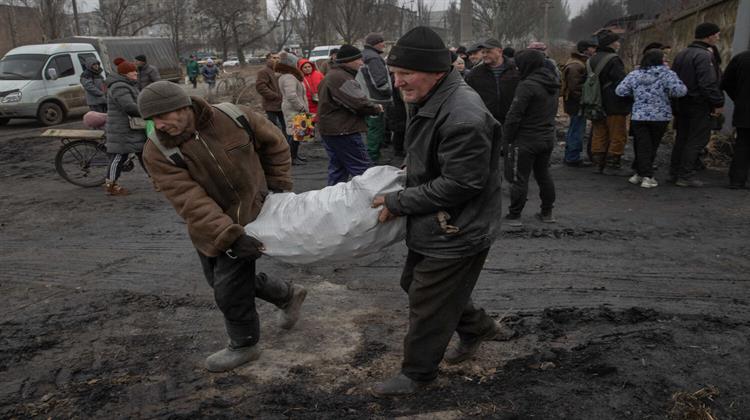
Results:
x,y
246,247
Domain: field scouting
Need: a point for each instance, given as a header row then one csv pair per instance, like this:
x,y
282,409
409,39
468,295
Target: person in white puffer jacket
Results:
x,y
651,86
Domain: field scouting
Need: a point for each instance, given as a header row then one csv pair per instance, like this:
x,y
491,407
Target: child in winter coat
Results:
x,y
652,85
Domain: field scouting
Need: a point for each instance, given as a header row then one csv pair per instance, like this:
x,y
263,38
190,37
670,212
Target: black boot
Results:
x,y
597,161
614,167
398,386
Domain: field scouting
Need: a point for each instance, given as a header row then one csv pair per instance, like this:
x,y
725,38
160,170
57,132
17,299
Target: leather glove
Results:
x,y
246,247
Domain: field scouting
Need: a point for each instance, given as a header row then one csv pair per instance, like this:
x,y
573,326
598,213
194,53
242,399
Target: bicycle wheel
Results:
x,y
83,163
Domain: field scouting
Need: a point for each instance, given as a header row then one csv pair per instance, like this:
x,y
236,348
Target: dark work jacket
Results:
x,y
452,169
343,103
122,103
531,118
481,79
736,83
697,68
611,76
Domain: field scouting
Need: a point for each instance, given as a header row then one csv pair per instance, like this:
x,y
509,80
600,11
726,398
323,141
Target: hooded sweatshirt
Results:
x,y
311,82
93,84
531,117
652,88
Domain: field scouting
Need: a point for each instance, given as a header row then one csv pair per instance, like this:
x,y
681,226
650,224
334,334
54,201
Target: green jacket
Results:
x,y
193,69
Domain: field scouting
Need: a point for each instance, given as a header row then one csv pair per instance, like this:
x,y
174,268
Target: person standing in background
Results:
x,y
267,86
736,83
573,76
193,70
147,73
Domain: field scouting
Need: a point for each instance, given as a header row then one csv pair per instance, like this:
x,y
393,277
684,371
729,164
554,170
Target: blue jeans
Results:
x,y
574,139
347,156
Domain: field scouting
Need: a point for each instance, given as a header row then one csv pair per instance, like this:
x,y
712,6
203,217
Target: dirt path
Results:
x,y
633,296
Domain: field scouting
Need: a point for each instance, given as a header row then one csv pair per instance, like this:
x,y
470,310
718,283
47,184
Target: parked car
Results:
x,y
231,62
43,81
321,52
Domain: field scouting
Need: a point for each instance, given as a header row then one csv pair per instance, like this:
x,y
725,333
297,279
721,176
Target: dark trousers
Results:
x,y
525,159
439,303
398,141
235,288
293,146
648,135
347,156
98,108
741,159
194,81
693,125
277,118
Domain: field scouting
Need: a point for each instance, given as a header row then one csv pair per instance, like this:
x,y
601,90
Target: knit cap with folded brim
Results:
x,y
162,97
420,49
347,53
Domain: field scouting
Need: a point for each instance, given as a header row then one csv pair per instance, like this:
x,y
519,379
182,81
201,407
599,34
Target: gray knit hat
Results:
x,y
162,97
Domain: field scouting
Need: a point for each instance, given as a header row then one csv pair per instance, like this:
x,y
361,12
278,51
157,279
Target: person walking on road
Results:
x,y
217,175
342,111
122,137
94,86
210,72
609,134
147,73
495,80
376,80
573,76
451,202
193,70
736,83
267,86
293,98
698,69
529,133
652,86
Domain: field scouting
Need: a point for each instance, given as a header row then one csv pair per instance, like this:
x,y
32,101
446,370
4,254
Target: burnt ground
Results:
x,y
633,296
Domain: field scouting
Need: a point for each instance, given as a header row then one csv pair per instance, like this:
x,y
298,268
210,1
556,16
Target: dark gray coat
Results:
x,y
736,83
93,85
699,71
452,167
146,75
531,118
122,95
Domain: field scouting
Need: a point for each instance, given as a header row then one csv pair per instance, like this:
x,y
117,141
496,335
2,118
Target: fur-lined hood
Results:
x,y
282,68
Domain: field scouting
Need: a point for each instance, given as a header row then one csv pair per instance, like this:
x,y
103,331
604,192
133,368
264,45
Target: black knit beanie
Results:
x,y
706,29
420,49
347,53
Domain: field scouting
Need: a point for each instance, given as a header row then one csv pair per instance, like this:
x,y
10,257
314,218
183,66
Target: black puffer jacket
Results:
x,y
453,169
497,100
611,76
122,102
699,71
531,118
736,83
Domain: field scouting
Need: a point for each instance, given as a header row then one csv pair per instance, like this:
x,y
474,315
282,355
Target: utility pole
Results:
x,y
547,4
75,17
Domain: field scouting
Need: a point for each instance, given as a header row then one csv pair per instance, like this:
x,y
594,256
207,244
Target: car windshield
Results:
x,y
22,66
319,54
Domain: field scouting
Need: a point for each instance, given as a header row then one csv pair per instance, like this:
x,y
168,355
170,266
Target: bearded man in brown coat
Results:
x,y
216,170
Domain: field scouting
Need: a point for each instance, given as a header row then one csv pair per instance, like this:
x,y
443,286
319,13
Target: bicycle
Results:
x,y
83,160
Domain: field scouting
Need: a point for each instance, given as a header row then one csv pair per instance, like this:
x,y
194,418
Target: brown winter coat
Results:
x,y
227,177
573,77
267,85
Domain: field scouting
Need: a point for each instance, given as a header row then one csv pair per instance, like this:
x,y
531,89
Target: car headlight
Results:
x,y
11,97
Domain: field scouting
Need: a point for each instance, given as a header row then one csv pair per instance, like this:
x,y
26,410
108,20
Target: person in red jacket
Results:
x,y
313,77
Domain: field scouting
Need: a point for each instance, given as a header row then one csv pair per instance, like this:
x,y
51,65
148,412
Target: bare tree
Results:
x,y
52,19
126,17
453,16
175,18
593,17
516,23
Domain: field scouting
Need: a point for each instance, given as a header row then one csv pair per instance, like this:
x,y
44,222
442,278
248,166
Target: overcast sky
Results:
x,y
575,5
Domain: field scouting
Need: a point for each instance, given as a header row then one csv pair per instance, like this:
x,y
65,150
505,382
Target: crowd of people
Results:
x,y
460,117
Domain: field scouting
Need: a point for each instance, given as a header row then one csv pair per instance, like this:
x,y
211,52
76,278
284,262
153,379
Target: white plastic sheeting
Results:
x,y
332,224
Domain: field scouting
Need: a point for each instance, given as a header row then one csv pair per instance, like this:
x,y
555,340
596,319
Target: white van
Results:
x,y
321,52
43,81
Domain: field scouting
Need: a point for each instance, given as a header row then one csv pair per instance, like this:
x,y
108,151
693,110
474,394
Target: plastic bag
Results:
x,y
332,224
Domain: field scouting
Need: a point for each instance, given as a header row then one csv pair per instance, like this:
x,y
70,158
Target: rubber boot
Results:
x,y
398,386
113,188
597,161
613,167
231,357
466,350
290,314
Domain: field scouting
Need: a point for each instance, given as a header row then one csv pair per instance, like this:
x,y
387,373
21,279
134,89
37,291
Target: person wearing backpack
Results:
x,y
573,76
216,165
652,85
607,111
375,79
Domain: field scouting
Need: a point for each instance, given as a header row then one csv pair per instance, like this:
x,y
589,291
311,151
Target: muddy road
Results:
x,y
633,297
